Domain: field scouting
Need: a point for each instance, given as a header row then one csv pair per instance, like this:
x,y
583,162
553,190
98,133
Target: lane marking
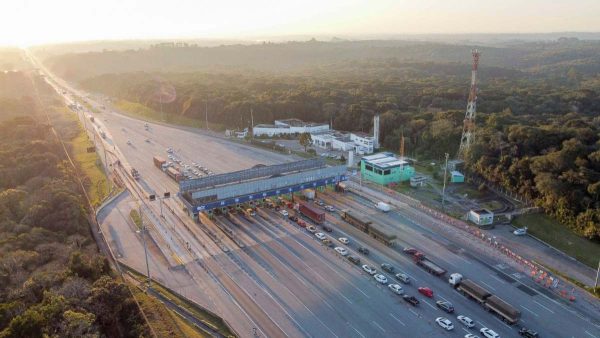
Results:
x,y
353,328
379,326
467,331
426,302
397,319
482,324
591,335
411,310
443,298
489,286
498,279
538,303
535,314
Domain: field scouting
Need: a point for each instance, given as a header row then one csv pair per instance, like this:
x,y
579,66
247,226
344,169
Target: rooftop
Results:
x,y
269,126
482,211
298,123
384,160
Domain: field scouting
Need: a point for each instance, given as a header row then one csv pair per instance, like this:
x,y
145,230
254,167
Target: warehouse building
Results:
x,y
481,216
359,143
288,127
385,168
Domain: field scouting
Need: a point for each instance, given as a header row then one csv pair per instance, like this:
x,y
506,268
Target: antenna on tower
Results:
x,y
469,121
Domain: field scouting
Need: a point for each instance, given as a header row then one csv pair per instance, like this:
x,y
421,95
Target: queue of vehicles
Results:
x,y
182,170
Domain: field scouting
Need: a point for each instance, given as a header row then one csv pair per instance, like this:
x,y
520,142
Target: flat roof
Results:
x,y
269,126
456,173
482,211
384,160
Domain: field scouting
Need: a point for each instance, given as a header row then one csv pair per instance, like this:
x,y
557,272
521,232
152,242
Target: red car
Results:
x,y
427,292
302,223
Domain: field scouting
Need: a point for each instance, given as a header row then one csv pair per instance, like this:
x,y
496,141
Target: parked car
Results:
x,y
445,306
354,259
411,299
344,240
520,232
387,267
397,289
468,322
363,250
427,292
369,269
402,277
489,333
381,278
341,251
445,323
528,333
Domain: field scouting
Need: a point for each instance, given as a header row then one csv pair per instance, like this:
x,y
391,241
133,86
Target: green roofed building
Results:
x,y
385,168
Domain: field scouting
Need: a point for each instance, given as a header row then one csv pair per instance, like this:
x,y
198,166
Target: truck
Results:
x,y
160,162
316,215
309,194
491,302
468,288
428,265
134,173
383,206
174,174
356,220
504,310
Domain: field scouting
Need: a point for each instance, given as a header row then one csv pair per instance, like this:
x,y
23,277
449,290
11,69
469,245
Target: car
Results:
x,y
369,269
329,208
363,250
341,251
354,259
445,323
525,332
401,276
301,223
410,251
381,278
129,142
311,228
445,306
470,335
327,242
520,232
489,333
326,228
387,267
319,203
284,213
294,218
148,140
411,299
427,292
320,235
468,322
397,289
344,240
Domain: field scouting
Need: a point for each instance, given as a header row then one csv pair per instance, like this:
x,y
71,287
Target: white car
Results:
x,y
311,228
445,323
381,278
520,232
329,208
466,320
284,213
488,333
320,235
341,251
369,269
397,289
344,240
470,335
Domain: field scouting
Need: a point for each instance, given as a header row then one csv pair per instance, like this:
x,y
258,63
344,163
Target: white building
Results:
x,y
288,127
335,140
481,216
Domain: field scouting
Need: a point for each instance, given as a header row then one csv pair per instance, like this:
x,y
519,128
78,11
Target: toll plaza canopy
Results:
x,y
252,184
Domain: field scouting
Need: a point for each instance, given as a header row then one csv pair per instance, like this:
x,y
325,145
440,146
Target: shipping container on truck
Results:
x,y
469,288
356,220
428,265
159,162
506,312
174,174
316,215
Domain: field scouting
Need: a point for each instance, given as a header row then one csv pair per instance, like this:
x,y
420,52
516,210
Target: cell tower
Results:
x,y
469,122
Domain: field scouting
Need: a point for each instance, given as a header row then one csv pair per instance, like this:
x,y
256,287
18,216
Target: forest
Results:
x,y
538,109
53,280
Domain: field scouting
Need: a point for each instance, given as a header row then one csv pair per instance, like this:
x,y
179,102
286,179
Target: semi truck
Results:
x,y
428,265
160,163
491,302
367,226
356,220
174,174
316,215
468,288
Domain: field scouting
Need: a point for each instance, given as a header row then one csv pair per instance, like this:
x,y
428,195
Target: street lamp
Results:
x,y
153,197
444,188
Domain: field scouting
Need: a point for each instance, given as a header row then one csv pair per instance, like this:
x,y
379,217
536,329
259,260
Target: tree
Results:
x,y
305,140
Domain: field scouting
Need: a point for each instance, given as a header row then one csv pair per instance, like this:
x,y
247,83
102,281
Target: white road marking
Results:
x,y
535,301
379,326
482,324
443,298
426,302
467,331
591,335
535,314
411,310
362,335
498,279
397,319
489,286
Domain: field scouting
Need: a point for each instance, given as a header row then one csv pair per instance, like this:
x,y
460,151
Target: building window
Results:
x,y
368,167
387,172
378,171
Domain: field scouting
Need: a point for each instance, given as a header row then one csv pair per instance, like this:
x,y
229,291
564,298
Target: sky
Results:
x,y
30,22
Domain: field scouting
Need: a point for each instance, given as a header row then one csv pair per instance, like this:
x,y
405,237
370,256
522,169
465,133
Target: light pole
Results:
x,y
145,248
164,196
444,187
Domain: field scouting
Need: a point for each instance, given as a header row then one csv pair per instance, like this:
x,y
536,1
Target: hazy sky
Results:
x,y
25,22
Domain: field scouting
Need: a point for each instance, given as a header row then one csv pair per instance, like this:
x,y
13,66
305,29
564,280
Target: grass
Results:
x,y
492,205
472,192
135,217
164,322
559,236
146,113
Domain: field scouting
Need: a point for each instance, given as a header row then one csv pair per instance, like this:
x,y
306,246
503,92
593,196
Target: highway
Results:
x,y
282,281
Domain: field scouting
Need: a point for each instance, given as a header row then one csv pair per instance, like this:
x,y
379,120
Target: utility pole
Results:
x,y
252,122
145,248
206,112
444,188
